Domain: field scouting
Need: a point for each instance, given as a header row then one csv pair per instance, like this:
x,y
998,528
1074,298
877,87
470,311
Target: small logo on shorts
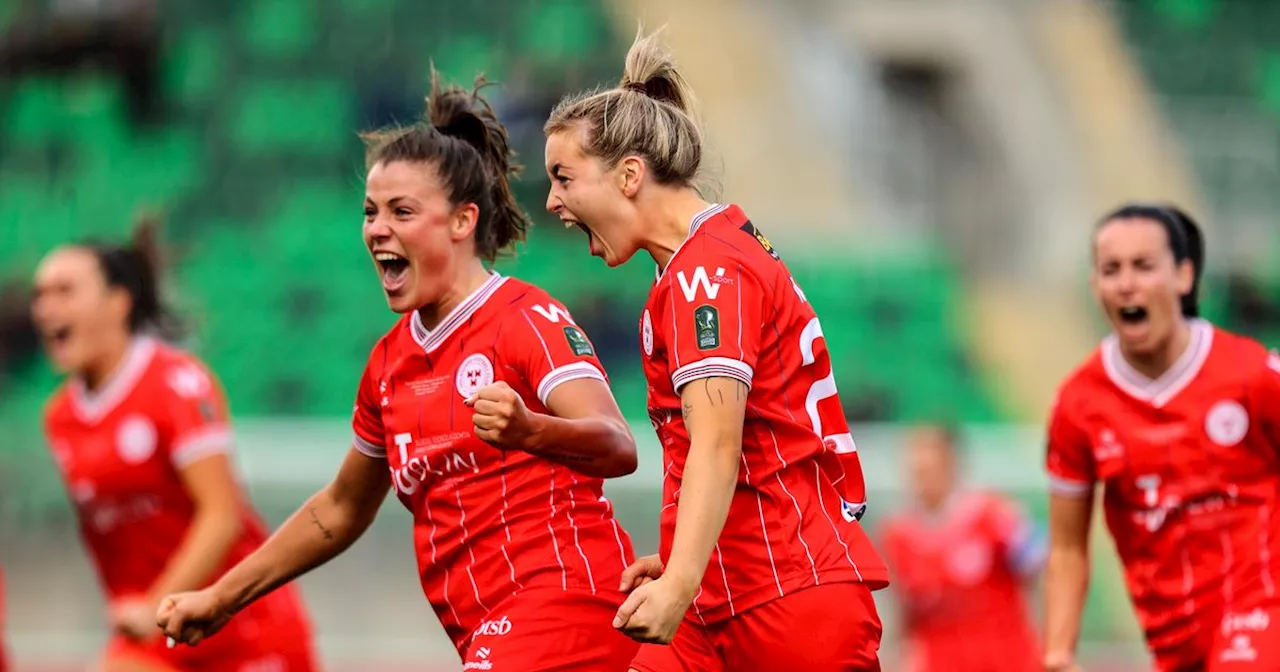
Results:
x,y
495,628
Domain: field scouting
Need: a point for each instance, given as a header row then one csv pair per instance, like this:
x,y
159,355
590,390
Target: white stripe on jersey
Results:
x,y
555,544
674,345
799,525
573,504
1069,487
764,530
202,443
726,367
366,448
426,503
817,479
617,532
502,515
564,374
466,541
728,592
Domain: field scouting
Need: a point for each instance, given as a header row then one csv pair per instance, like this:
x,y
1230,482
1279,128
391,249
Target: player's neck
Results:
x,y
469,278
1153,364
668,219
107,363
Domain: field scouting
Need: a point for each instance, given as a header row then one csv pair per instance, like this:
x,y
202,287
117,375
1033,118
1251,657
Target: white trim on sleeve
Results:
x,y
563,374
712,367
199,444
372,450
1069,487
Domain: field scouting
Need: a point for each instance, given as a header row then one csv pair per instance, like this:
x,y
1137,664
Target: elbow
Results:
x,y
623,457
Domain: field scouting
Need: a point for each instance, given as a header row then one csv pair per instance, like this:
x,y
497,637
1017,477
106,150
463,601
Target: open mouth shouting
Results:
x,y
394,270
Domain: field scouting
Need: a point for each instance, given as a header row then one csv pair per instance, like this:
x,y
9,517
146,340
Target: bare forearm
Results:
x,y
313,535
600,447
706,491
1066,585
203,550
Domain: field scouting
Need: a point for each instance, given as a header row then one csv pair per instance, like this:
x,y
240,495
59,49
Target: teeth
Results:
x,y
387,256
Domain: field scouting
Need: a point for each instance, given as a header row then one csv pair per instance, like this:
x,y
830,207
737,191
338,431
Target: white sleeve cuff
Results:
x,y
372,450
564,374
199,444
1069,487
712,367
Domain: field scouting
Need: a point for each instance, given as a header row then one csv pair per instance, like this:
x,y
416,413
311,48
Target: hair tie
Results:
x,y
638,87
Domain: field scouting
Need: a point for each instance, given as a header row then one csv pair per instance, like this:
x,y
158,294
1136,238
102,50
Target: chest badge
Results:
x,y
476,372
1227,423
136,439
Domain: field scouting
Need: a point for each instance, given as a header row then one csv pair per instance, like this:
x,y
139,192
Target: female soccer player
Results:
x,y
960,560
487,411
759,555
1180,422
141,434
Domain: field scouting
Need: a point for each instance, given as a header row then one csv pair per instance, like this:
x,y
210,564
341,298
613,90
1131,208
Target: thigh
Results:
x,y
690,651
545,630
1247,642
831,628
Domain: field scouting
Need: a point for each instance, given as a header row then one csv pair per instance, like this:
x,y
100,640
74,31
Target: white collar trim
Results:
x,y
697,222
93,406
430,339
1162,390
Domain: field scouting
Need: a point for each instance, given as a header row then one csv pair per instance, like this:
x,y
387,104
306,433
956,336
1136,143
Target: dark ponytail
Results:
x,y
136,268
469,148
1186,241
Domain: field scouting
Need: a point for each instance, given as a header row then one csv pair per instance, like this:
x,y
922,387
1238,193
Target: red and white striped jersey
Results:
x,y
487,522
726,306
1191,469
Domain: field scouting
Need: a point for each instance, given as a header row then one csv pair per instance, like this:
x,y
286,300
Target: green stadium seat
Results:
x,y
279,29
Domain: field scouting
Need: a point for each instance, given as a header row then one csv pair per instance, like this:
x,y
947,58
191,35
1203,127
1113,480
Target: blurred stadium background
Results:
x,y
929,169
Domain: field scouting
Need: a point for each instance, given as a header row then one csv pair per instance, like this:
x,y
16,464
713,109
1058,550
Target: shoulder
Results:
x,y
1082,383
180,372
1236,351
520,295
384,349
725,236
58,406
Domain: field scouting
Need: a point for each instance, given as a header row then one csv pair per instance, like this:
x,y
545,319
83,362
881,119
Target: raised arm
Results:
x,y
321,529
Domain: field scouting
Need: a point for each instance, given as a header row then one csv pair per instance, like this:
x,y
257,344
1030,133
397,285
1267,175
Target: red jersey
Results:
x,y
726,306
959,574
1191,476
487,522
120,450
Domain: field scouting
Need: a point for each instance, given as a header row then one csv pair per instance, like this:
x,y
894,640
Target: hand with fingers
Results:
x,y
134,618
657,604
190,618
501,419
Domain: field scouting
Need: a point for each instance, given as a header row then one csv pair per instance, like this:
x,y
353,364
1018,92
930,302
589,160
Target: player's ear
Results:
x,y
630,173
464,221
1186,274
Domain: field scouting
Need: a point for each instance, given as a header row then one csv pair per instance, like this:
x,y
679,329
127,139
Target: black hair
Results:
x,y
135,267
460,135
1186,241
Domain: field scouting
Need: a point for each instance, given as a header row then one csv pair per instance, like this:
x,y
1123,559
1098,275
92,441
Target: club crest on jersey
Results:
x,y
136,439
764,242
646,333
1227,423
476,372
706,320
578,342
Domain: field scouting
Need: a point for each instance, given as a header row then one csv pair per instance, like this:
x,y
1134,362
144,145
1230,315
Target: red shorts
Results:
x,y
831,628
543,629
272,634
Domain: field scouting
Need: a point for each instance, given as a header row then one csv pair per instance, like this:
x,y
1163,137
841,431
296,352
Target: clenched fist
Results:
x,y
501,418
191,617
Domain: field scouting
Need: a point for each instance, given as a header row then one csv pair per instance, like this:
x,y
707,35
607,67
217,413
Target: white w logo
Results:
x,y
700,278
553,313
